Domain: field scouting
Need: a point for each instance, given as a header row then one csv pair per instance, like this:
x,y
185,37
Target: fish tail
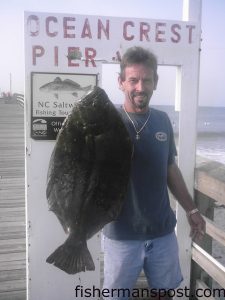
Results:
x,y
72,258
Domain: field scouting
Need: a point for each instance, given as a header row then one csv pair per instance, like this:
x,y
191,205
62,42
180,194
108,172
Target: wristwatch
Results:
x,y
191,212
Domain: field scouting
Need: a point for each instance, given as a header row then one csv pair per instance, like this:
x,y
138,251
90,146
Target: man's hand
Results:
x,y
198,226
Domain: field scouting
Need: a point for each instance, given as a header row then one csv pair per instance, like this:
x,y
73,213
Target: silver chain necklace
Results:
x,y
132,122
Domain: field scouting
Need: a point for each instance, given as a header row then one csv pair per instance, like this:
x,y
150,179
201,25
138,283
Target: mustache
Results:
x,y
136,94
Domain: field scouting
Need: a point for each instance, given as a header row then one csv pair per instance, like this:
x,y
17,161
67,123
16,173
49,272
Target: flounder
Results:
x,y
87,177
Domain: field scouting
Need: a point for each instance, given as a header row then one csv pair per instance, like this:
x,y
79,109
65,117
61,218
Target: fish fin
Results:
x,y
87,88
72,259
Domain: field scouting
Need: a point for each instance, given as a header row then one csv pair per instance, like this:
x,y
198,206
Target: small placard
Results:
x,y
53,97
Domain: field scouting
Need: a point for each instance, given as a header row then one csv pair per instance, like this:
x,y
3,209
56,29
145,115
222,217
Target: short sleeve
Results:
x,y
172,145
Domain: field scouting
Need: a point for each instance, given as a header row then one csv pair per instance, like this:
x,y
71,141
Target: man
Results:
x,y
143,235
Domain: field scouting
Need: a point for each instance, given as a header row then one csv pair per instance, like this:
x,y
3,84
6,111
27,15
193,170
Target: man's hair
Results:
x,y
138,55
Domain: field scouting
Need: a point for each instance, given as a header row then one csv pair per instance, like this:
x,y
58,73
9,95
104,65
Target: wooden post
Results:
x,y
188,102
206,206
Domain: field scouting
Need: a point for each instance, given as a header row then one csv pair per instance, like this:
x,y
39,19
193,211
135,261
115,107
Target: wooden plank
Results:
x,y
18,203
12,224
8,217
12,265
17,181
12,227
12,209
13,154
207,292
12,198
14,163
10,275
12,235
209,264
12,256
214,231
12,188
12,168
13,248
13,285
12,202
13,295
19,173
210,180
11,218
12,242
3,193
19,142
8,210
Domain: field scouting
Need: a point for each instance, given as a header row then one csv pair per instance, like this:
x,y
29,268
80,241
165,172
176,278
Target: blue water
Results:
x,y
209,119
210,128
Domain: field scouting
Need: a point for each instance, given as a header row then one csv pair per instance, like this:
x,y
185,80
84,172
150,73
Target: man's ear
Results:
x,y
120,82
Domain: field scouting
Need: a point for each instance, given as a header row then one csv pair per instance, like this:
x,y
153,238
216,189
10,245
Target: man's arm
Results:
x,y
178,188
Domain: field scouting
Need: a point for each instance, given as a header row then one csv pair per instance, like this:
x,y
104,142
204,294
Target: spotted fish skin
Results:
x,y
88,176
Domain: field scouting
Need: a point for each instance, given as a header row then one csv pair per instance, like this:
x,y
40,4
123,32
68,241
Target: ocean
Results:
x,y
210,131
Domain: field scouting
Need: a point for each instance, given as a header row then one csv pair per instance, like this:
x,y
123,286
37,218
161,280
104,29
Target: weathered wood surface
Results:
x,y
200,285
209,193
210,180
214,231
12,203
209,264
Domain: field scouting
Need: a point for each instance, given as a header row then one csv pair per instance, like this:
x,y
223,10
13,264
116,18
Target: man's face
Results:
x,y
138,85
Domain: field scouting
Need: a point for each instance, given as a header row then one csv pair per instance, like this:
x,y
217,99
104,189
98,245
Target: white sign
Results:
x,y
53,96
53,37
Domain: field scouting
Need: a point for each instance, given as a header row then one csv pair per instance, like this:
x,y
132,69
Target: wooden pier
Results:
x,y
12,202
209,189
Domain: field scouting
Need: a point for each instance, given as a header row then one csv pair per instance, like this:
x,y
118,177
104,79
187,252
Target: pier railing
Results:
x,y
206,270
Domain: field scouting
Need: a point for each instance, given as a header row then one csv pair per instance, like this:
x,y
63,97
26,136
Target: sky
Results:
x,y
212,61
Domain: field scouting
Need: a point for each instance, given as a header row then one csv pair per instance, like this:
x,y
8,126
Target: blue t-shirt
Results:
x,y
146,213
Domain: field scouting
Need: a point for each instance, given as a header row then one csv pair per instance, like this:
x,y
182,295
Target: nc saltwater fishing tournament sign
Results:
x,y
52,99
64,56
81,44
